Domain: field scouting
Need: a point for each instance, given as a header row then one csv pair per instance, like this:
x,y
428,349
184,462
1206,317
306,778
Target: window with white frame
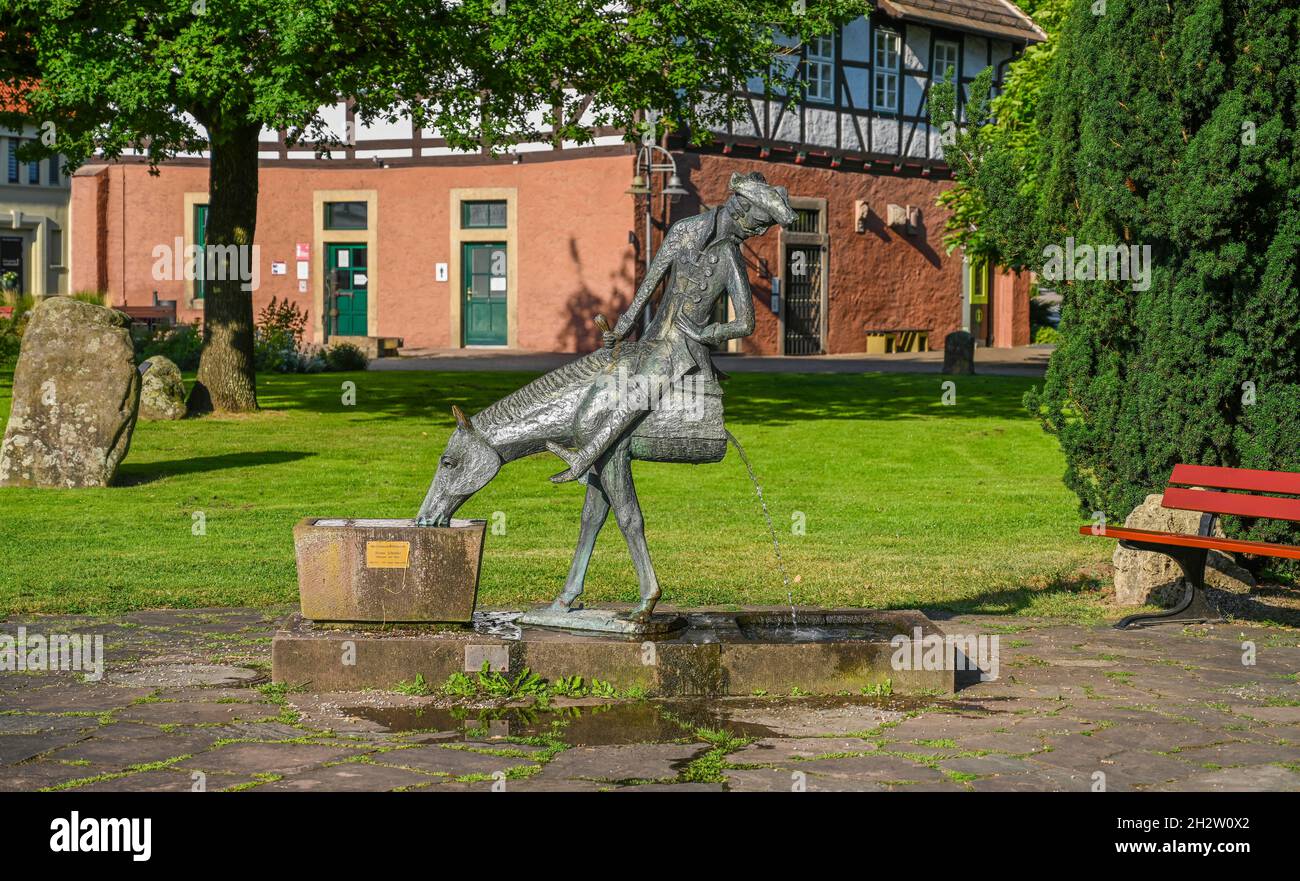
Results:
x,y
945,62
819,69
885,70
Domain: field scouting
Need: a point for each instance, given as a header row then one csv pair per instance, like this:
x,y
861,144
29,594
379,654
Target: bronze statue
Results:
x,y
656,399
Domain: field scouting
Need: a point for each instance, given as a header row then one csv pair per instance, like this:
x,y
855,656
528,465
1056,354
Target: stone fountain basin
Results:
x,y
716,653
388,571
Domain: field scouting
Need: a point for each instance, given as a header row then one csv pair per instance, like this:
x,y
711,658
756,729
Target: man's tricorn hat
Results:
x,y
775,201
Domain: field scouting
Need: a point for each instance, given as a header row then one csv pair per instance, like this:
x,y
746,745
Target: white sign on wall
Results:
x,y
440,272
302,270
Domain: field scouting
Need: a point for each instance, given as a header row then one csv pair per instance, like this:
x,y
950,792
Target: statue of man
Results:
x,y
701,256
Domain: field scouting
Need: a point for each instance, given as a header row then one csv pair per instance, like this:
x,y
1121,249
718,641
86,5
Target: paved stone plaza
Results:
x,y
184,704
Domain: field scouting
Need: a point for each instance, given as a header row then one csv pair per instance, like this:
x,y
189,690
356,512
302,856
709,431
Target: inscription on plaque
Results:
x,y
388,554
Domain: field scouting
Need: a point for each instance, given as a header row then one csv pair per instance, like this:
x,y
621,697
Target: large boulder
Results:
x,y
75,396
959,353
162,390
1143,577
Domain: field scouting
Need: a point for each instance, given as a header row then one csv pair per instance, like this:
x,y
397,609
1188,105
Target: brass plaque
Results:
x,y
388,554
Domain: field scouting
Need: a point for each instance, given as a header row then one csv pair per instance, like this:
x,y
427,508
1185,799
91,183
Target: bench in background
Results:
x,y
1212,491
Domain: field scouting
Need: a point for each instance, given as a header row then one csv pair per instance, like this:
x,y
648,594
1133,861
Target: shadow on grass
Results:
x,y
136,475
750,398
1018,600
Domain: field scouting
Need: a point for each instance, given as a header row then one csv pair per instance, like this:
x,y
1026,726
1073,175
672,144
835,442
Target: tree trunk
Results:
x,y
226,382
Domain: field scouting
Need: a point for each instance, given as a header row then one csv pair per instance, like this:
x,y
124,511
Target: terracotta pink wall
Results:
x,y
573,244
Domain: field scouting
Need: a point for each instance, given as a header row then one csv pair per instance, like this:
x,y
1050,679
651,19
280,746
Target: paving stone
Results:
x,y
986,765
1136,769
871,769
1240,753
74,697
1012,743
195,713
172,675
433,759
15,748
116,754
784,750
42,722
793,720
264,758
350,777
1279,715
649,761
35,775
778,780
674,787
144,781
1245,779
1045,780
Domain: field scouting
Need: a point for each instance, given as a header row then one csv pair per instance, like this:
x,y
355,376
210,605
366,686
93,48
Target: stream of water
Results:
x,y
776,545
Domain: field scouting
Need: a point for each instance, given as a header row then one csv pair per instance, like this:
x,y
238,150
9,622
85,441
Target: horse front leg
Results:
x,y
616,476
595,510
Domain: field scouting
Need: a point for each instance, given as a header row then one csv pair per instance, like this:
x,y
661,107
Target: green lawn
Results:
x,y
908,503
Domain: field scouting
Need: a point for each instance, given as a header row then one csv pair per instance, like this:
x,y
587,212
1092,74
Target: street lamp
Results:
x,y
643,185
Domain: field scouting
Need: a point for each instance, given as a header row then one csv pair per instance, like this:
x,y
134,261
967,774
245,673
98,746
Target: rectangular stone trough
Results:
x,y
388,571
717,654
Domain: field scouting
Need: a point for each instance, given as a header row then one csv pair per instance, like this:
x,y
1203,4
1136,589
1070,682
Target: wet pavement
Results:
x,y
184,704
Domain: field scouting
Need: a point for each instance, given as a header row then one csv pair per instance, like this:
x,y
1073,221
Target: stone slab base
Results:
x,y
602,621
384,571
718,653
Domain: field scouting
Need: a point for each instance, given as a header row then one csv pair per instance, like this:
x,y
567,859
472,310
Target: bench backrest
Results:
x,y
1214,500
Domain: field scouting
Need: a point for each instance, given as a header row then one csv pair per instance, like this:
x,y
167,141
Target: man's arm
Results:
x,y
658,268
742,300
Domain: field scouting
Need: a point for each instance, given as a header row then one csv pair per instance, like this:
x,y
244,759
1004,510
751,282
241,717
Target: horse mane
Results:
x,y
522,402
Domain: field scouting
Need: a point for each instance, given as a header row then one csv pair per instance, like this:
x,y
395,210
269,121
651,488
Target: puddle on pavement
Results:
x,y
625,722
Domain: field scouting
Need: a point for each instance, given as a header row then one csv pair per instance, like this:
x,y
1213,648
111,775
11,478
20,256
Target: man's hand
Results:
x,y
707,336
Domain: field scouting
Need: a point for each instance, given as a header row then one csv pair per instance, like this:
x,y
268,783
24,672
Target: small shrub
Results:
x,y
345,356
182,344
1047,336
95,298
278,346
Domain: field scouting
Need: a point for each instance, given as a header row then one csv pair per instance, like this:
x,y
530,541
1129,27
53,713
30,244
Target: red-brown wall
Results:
x,y
881,278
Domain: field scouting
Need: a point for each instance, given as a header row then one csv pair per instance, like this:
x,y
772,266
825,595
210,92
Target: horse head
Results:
x,y
466,466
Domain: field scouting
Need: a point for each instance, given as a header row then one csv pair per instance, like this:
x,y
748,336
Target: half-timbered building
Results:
x,y
397,236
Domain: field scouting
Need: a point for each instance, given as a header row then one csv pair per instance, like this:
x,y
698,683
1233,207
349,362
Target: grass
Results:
x,y
907,502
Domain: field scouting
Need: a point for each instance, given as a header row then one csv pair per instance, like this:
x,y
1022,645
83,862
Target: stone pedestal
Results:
x,y
388,571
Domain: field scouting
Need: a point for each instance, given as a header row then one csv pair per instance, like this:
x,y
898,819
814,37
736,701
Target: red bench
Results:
x,y
1205,488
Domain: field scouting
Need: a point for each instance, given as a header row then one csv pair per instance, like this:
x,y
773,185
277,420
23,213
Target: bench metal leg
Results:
x,y
1193,608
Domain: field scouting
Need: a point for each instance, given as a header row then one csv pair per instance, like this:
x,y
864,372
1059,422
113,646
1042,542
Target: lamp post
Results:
x,y
643,185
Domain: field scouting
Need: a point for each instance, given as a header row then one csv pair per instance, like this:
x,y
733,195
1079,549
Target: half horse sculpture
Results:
x,y
656,399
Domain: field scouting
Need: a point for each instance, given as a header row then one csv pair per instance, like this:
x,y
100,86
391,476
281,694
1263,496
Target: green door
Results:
x,y
347,266
483,309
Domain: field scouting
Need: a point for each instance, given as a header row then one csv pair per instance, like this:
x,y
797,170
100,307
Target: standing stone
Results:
x,y
1143,577
959,353
162,390
75,396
